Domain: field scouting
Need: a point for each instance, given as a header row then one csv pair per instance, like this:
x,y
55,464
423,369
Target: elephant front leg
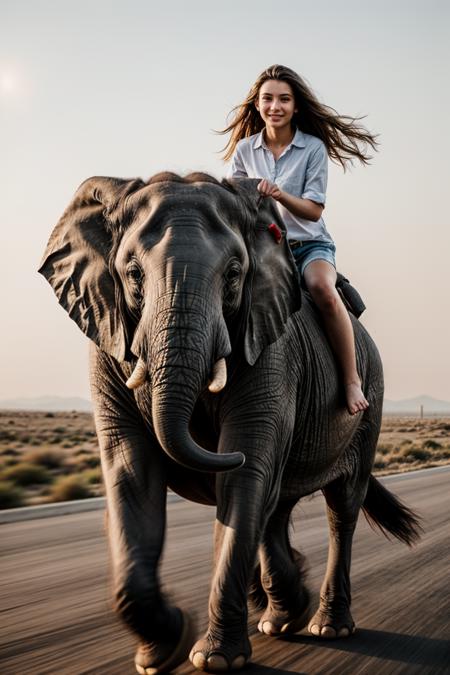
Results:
x,y
333,618
244,499
135,482
226,645
136,524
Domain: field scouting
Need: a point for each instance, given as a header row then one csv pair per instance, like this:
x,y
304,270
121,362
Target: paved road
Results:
x,y
54,597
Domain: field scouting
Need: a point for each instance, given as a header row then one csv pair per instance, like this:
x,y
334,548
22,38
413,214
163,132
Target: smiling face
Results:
x,y
276,104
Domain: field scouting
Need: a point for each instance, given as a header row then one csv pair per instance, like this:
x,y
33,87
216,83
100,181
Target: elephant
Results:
x,y
211,376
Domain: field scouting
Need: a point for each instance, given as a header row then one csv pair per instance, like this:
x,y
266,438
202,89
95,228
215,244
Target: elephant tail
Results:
x,y
384,510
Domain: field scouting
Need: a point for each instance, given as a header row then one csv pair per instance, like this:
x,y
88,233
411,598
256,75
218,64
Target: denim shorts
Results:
x,y
313,250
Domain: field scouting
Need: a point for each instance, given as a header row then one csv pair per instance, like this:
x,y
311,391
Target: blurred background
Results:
x,y
130,89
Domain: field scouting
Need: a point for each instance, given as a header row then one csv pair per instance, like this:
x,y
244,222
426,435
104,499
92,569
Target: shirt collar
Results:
x,y
298,140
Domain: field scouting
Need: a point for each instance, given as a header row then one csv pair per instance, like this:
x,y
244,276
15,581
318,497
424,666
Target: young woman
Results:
x,y
282,134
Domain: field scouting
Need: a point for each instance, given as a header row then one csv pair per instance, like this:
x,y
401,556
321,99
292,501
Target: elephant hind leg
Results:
x,y
282,579
333,618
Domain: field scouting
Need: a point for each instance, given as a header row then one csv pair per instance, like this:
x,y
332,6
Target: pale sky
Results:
x,y
131,88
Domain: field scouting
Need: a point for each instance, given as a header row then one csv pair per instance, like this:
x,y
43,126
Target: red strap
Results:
x,y
275,232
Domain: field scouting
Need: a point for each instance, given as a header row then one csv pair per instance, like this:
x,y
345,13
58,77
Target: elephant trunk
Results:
x,y
186,354
171,424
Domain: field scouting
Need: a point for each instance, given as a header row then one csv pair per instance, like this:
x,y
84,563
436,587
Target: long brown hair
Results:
x,y
344,139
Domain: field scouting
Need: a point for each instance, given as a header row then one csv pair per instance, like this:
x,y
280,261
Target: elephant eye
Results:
x,y
233,275
134,274
232,283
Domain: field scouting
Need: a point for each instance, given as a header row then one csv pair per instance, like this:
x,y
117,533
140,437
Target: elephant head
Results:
x,y
174,276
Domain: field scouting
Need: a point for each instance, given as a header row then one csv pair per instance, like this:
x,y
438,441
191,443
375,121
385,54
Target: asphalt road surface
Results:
x,y
54,593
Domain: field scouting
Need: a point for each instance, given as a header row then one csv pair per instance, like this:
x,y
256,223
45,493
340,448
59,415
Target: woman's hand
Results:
x,y
267,189
303,208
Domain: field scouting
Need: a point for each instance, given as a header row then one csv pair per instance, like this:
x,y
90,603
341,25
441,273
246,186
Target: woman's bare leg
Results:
x,y
320,278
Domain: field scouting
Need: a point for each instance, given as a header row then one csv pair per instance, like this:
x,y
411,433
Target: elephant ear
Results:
x,y
274,283
76,262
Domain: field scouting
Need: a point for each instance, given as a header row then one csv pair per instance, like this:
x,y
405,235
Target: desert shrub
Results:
x,y
407,441
76,438
379,462
10,461
432,445
384,448
93,476
48,458
11,496
26,474
56,440
8,435
11,452
49,414
68,488
92,461
59,430
413,454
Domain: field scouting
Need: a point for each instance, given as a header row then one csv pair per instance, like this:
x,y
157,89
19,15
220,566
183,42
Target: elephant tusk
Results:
x,y
219,376
137,377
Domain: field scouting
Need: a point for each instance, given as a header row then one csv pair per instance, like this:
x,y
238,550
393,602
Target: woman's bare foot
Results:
x,y
356,401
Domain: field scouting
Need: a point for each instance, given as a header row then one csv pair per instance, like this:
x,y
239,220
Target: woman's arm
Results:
x,y
302,208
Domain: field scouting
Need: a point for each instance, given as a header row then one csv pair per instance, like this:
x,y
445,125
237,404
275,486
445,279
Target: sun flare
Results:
x,y
9,83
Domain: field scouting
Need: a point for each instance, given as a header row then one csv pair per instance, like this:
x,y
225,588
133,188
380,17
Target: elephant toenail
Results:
x,y
140,669
314,629
344,632
267,628
328,632
239,662
217,663
198,660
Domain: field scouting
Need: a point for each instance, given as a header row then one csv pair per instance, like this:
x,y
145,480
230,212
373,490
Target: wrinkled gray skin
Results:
x,y
182,272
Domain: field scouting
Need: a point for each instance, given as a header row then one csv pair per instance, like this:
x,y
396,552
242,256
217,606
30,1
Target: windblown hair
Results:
x,y
343,137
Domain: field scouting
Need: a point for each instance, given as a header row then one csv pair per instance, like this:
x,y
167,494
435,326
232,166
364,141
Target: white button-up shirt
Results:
x,y
301,170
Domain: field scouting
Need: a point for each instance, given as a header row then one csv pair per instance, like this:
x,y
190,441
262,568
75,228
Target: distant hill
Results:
x,y
47,403
60,403
412,405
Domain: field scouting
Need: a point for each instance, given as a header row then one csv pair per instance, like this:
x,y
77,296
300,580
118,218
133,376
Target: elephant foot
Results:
x,y
215,656
274,622
330,624
155,659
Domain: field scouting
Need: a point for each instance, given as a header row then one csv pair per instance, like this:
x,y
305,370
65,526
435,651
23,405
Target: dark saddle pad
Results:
x,y
349,295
